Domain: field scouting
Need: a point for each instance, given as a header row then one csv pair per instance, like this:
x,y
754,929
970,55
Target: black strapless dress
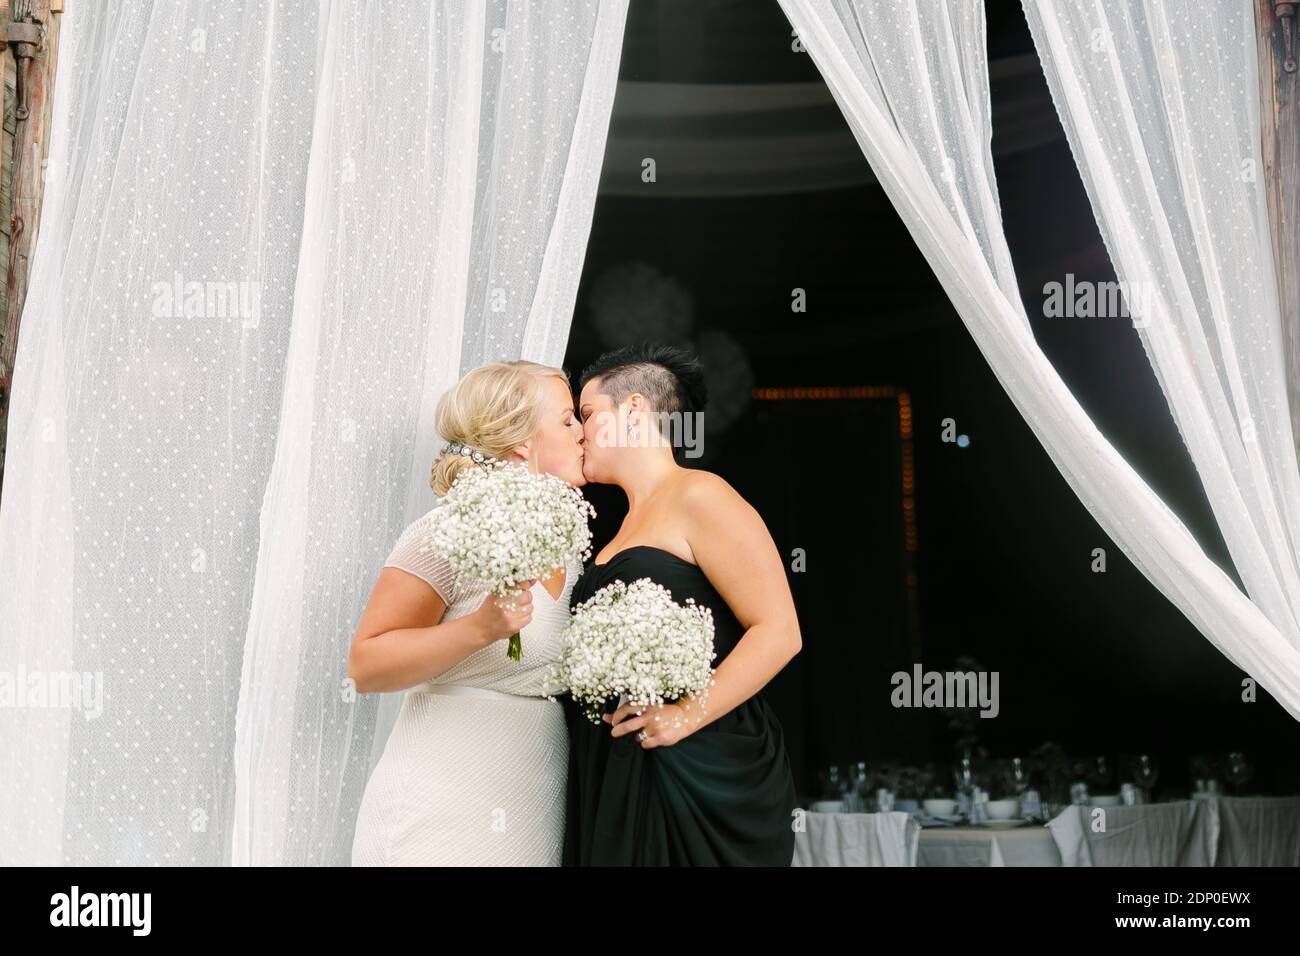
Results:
x,y
724,796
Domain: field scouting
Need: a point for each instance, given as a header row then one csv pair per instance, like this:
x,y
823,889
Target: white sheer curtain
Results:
x,y
1162,112
355,202
912,80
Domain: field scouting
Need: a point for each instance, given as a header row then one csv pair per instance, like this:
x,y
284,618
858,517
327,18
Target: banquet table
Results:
x,y
1213,831
1219,831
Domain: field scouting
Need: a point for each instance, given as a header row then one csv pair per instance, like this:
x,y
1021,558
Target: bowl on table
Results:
x,y
939,808
1003,809
1105,800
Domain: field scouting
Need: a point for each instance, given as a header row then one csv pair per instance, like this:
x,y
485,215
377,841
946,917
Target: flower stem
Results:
x,y
515,651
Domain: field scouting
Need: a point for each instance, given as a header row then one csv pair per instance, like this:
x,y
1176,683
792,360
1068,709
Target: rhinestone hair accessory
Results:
x,y
459,448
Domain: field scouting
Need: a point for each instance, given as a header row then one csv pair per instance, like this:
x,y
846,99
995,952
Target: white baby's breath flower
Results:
x,y
501,524
634,640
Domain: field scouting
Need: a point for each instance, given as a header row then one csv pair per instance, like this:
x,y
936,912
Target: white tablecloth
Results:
x,y
1259,831
1223,831
1218,831
1157,834
855,839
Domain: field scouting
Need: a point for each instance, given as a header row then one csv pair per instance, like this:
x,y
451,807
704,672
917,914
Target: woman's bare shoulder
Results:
x,y
697,481
703,491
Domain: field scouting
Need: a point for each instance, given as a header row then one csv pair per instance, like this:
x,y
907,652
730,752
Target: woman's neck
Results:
x,y
646,477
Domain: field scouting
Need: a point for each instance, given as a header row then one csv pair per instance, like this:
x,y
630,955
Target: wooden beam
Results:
x,y
34,92
1280,135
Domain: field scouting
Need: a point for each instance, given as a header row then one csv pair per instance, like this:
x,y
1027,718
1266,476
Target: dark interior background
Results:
x,y
1099,663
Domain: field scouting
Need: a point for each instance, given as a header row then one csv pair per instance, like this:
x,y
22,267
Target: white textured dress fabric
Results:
x,y
475,770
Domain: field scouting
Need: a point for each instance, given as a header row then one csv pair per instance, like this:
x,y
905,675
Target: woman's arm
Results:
x,y
400,641
733,547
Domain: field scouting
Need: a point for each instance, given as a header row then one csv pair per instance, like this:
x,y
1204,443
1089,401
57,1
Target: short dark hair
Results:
x,y
671,378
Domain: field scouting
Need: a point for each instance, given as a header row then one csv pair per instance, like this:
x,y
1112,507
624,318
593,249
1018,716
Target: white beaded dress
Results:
x,y
475,770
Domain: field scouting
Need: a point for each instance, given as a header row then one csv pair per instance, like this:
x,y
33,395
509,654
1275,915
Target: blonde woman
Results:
x,y
474,771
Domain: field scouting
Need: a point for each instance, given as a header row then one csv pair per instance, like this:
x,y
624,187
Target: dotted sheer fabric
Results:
x,y
1162,112
1169,150
273,234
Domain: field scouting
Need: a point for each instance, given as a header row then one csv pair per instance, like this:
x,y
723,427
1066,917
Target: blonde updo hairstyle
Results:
x,y
494,409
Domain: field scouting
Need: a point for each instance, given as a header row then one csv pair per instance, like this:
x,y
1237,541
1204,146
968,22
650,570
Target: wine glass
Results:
x,y
886,783
1017,776
1241,770
860,787
1145,770
1202,769
1100,773
834,782
963,773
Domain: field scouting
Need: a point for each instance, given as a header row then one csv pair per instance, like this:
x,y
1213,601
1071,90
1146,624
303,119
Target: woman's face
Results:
x,y
556,448
601,432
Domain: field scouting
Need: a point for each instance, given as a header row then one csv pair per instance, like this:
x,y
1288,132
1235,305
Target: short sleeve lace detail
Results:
x,y
413,555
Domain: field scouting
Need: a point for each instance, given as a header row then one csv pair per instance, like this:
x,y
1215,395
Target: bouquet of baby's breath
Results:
x,y
634,640
501,524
